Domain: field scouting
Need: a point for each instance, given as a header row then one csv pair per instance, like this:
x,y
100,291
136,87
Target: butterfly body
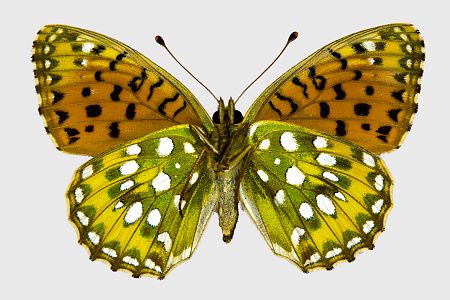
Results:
x,y
303,162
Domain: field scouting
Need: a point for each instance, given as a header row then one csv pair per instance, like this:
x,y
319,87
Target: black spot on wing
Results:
x,y
162,106
297,81
358,75
379,46
359,49
362,109
89,128
275,108
86,92
365,126
294,106
93,110
340,128
378,61
324,109
340,93
121,56
398,95
98,76
112,65
57,96
136,83
62,116
384,130
131,111
79,62
383,138
153,87
115,93
401,77
369,90
71,131
393,114
181,109
318,80
98,49
114,130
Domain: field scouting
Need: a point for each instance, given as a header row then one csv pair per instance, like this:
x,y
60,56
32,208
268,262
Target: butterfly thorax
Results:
x,y
229,140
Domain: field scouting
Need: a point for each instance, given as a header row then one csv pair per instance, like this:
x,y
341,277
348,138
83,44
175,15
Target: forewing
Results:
x,y
144,205
316,199
362,87
96,92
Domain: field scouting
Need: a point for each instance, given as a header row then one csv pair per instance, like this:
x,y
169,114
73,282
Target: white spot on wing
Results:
x,y
87,172
194,178
154,217
176,201
129,167
330,176
87,47
354,241
367,227
161,182
84,220
79,196
119,204
151,265
264,144
94,237
279,197
165,147
333,252
320,142
133,149
379,182
177,165
166,240
126,185
305,211
277,161
252,129
134,213
264,177
294,176
376,208
368,160
131,261
296,234
188,148
109,252
325,204
326,159
369,45
340,196
288,141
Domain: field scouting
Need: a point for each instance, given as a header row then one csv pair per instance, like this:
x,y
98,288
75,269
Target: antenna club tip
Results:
x,y
293,36
160,40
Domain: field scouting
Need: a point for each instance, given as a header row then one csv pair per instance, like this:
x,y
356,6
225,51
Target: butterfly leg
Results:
x,y
204,138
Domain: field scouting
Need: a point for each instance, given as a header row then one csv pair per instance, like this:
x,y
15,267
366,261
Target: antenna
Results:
x,y
291,38
160,41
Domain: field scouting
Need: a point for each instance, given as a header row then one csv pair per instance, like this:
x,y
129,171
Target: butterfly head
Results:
x,y
227,114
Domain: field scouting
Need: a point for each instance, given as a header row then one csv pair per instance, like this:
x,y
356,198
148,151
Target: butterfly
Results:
x,y
303,163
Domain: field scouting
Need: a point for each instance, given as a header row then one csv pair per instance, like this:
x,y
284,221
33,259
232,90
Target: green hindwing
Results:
x,y
315,198
143,205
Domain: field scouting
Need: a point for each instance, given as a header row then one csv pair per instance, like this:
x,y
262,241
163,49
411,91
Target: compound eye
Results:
x,y
216,118
237,117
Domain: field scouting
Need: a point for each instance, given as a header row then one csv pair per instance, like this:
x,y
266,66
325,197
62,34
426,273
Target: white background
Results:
x,y
226,45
